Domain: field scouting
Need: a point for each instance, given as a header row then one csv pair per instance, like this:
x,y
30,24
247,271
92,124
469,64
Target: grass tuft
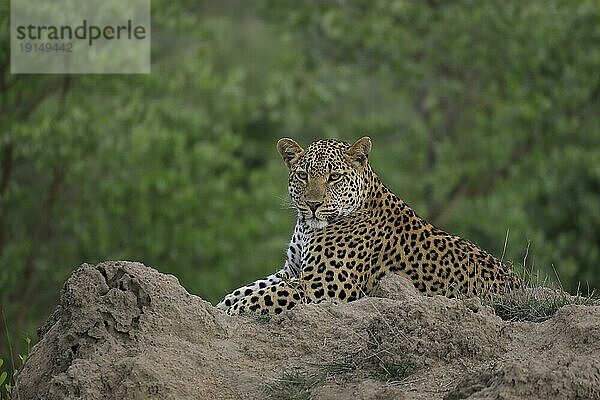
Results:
x,y
539,300
337,368
299,385
293,385
8,373
394,371
535,304
262,319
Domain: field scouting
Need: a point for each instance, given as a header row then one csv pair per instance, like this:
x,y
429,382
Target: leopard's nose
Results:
x,y
313,205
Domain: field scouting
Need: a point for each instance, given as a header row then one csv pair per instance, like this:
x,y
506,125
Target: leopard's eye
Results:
x,y
302,175
334,176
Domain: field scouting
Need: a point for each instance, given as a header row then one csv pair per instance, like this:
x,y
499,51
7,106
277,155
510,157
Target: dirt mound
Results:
x,y
126,331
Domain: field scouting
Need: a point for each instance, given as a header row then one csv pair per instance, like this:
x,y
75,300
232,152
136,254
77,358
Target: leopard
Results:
x,y
351,231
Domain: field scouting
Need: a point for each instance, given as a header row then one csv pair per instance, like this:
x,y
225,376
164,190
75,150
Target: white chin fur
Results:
x,y
316,223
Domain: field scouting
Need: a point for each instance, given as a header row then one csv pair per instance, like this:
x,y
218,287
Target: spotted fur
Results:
x,y
351,230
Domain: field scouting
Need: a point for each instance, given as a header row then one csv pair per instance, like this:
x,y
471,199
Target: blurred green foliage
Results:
x,y
485,117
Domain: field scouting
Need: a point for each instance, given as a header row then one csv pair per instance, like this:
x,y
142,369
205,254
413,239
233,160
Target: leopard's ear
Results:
x,y
290,151
359,151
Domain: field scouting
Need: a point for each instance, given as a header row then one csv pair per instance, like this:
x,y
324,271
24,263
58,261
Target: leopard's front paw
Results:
x,y
227,302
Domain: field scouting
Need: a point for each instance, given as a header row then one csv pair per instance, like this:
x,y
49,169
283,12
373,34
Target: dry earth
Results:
x,y
125,331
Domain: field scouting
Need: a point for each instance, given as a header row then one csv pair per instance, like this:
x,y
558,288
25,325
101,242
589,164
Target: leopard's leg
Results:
x,y
291,269
274,299
280,276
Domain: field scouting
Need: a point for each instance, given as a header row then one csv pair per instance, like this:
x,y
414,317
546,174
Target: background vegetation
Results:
x,y
485,117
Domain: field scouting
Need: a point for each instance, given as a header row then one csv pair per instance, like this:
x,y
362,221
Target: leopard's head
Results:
x,y
328,180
